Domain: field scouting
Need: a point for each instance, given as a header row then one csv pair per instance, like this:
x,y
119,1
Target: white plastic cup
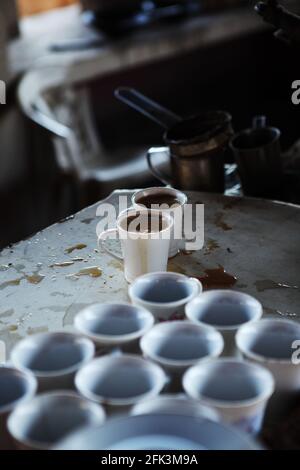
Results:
x,y
239,391
53,358
225,310
16,387
42,422
114,325
165,295
178,345
120,381
273,343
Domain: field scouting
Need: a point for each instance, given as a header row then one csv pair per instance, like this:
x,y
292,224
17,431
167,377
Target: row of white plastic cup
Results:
x,y
172,346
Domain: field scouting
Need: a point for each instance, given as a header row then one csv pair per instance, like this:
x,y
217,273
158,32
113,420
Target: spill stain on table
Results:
x,y
217,278
220,222
79,246
94,271
246,243
87,221
210,246
35,278
13,282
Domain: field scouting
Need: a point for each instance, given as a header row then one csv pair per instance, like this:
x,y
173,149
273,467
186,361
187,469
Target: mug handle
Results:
x,y
101,243
165,179
198,284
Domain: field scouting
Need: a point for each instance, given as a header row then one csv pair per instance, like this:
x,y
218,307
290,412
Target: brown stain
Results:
x,y
175,268
211,246
267,284
65,264
87,221
13,328
116,264
219,222
35,278
79,246
217,278
13,282
270,311
93,271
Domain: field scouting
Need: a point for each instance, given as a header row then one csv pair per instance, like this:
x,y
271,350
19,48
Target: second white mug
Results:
x,y
145,240
170,201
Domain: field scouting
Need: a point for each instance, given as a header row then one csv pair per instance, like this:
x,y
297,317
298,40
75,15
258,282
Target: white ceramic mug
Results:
x,y
273,343
16,387
53,358
112,325
178,345
142,251
225,310
165,295
176,211
120,381
46,419
239,391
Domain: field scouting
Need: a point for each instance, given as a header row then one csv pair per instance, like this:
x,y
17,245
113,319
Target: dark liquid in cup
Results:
x,y
156,200
142,223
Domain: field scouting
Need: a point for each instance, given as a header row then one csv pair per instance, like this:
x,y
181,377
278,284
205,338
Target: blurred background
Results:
x,y
66,142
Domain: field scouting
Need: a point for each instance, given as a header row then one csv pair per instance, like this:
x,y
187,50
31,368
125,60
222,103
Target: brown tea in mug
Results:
x,y
144,223
155,200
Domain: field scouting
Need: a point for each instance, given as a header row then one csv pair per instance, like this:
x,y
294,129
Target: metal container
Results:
x,y
197,146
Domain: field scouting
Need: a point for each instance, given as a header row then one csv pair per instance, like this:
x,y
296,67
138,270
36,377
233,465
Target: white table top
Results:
x,y
254,240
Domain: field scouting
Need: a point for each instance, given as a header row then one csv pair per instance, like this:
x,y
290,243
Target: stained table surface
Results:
x,y
250,245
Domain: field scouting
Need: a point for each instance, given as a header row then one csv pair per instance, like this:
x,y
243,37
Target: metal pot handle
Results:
x,y
164,178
